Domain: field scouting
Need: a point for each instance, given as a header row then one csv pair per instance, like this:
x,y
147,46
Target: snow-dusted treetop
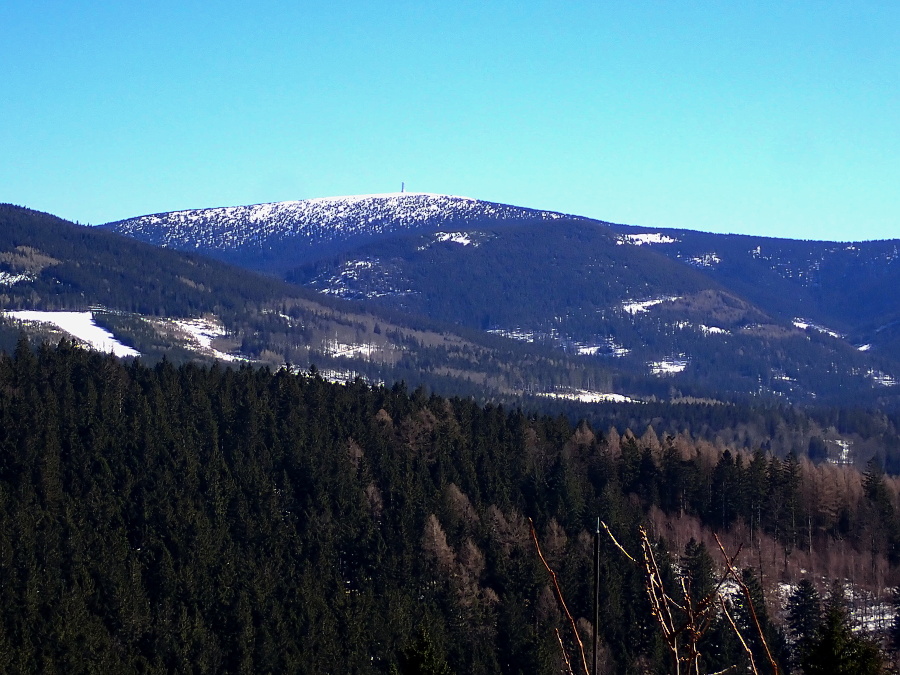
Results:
x,y
321,220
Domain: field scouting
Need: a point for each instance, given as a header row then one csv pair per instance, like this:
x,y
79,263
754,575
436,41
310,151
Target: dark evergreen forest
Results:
x,y
204,519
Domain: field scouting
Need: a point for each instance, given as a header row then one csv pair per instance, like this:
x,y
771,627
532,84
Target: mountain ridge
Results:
x,y
271,235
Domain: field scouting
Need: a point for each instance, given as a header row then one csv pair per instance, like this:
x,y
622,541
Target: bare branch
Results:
x,y
618,545
729,562
564,654
740,637
559,596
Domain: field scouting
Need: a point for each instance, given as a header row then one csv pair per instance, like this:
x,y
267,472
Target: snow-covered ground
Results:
x,y
646,238
668,366
606,347
338,349
636,307
521,334
202,332
586,396
318,220
79,325
8,279
462,238
803,324
883,379
844,449
705,260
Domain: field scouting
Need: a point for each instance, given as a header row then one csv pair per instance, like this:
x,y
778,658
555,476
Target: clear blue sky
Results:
x,y
776,118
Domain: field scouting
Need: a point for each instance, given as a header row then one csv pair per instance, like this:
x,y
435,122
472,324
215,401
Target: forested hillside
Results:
x,y
203,519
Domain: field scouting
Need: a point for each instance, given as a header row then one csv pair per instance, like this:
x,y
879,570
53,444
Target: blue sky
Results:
x,y
772,118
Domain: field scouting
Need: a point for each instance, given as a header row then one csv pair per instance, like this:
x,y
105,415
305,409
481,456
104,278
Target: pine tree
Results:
x,y
836,650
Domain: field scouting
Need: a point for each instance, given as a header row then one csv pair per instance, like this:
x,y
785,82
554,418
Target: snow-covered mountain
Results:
x,y
288,232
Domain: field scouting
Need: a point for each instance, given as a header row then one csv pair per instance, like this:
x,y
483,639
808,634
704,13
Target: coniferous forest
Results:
x,y
205,519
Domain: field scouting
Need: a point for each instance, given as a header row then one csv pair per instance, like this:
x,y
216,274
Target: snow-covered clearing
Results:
x,y
633,307
803,324
705,260
668,366
883,379
607,347
646,238
8,279
79,325
455,237
521,334
203,332
585,396
844,448
339,349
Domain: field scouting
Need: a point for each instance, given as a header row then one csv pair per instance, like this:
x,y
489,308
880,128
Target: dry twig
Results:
x,y
562,602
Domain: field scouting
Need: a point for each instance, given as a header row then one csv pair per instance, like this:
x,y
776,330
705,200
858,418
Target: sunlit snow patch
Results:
x,y
713,330
461,238
520,334
803,324
339,349
844,448
8,279
608,347
883,379
633,308
79,325
864,348
646,238
668,366
585,396
705,260
203,332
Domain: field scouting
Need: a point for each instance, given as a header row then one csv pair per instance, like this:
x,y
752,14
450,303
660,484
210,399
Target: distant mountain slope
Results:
x,y
699,314
850,288
49,263
276,236
186,306
582,287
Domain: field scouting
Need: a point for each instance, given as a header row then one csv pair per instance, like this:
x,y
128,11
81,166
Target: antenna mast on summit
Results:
x,y
402,187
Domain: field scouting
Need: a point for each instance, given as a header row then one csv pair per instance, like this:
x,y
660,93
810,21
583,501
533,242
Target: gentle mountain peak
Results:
x,y
313,223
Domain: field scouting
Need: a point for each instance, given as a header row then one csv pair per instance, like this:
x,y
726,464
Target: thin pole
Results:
x,y
596,595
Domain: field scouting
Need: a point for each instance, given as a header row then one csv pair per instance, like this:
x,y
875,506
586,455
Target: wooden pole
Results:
x,y
596,596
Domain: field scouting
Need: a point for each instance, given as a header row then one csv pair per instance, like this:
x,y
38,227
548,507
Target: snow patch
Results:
x,y
79,325
461,238
341,349
645,239
803,324
883,379
606,347
8,279
202,332
705,260
586,396
521,334
632,307
668,366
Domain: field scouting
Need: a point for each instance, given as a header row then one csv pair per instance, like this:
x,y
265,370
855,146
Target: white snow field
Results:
x,y
79,325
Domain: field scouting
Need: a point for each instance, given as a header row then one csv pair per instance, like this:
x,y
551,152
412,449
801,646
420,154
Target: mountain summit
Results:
x,y
270,236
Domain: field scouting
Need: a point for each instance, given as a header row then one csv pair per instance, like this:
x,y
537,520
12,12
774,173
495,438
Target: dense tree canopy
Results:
x,y
202,519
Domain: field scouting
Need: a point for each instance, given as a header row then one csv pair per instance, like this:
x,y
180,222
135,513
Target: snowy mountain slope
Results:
x,y
786,318
270,236
850,288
